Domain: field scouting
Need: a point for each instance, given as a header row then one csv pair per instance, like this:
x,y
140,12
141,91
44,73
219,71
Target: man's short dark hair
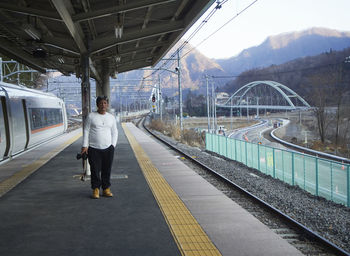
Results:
x,y
99,98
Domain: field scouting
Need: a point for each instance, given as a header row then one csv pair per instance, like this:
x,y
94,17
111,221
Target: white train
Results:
x,y
27,118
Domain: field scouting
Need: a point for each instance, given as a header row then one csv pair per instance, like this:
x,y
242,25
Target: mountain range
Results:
x,y
274,50
285,47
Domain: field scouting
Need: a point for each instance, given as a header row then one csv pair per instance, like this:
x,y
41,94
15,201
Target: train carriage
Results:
x,y
27,118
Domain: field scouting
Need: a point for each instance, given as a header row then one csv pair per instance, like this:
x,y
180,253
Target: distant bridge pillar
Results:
x,y
103,86
85,87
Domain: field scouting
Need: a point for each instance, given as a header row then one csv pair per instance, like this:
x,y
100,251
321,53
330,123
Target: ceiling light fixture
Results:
x,y
118,58
31,31
118,31
119,27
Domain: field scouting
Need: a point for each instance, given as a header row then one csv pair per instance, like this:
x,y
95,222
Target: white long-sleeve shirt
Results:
x,y
100,131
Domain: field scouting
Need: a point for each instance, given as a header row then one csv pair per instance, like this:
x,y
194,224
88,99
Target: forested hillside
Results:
x,y
302,75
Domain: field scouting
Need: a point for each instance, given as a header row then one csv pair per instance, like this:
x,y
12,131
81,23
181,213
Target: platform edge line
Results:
x,y
189,236
27,170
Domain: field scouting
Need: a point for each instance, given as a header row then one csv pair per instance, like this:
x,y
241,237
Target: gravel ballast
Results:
x,y
328,219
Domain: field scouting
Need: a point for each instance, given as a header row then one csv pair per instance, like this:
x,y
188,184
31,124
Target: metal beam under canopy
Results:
x,y
123,35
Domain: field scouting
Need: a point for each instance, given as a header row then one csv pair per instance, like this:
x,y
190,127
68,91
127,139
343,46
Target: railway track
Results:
x,y
304,239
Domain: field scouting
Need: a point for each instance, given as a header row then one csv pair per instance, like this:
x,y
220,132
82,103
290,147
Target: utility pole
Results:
x,y
216,118
160,99
213,104
208,113
121,110
247,109
180,90
231,114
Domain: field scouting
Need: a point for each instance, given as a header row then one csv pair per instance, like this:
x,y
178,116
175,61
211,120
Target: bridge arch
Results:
x,y
265,95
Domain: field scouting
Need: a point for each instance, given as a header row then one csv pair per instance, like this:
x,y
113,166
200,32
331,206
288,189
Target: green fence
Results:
x,y
321,177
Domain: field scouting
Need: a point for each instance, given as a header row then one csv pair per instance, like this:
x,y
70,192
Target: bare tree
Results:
x,y
345,123
339,91
337,118
328,90
321,98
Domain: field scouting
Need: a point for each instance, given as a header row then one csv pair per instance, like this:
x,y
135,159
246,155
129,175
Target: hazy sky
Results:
x,y
265,18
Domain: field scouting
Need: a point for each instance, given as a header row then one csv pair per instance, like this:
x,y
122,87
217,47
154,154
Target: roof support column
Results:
x,y
85,86
103,86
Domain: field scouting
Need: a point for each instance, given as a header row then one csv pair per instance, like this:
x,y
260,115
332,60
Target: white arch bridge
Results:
x,y
264,95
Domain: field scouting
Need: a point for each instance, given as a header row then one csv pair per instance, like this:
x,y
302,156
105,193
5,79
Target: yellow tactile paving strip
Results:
x,y
188,234
27,170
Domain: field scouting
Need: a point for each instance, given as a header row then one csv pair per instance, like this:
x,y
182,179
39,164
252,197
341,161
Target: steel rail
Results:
x,y
311,234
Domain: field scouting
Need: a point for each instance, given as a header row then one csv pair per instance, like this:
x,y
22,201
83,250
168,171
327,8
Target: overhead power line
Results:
x,y
201,25
231,19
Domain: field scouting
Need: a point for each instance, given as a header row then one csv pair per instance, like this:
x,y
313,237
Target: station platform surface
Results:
x,y
160,206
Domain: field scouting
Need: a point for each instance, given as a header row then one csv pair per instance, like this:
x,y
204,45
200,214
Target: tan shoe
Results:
x,y
96,193
107,192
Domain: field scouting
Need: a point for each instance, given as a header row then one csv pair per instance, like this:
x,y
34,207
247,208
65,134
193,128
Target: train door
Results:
x,y
4,129
18,124
26,122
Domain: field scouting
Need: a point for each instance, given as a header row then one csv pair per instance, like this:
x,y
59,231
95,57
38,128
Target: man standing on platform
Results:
x,y
99,141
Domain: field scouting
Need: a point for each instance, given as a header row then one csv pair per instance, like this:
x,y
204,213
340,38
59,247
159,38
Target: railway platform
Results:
x,y
160,206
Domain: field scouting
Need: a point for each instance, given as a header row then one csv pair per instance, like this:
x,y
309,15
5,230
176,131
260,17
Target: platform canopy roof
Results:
x,y
117,35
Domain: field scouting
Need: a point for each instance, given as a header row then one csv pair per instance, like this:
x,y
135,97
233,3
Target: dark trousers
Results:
x,y
100,161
